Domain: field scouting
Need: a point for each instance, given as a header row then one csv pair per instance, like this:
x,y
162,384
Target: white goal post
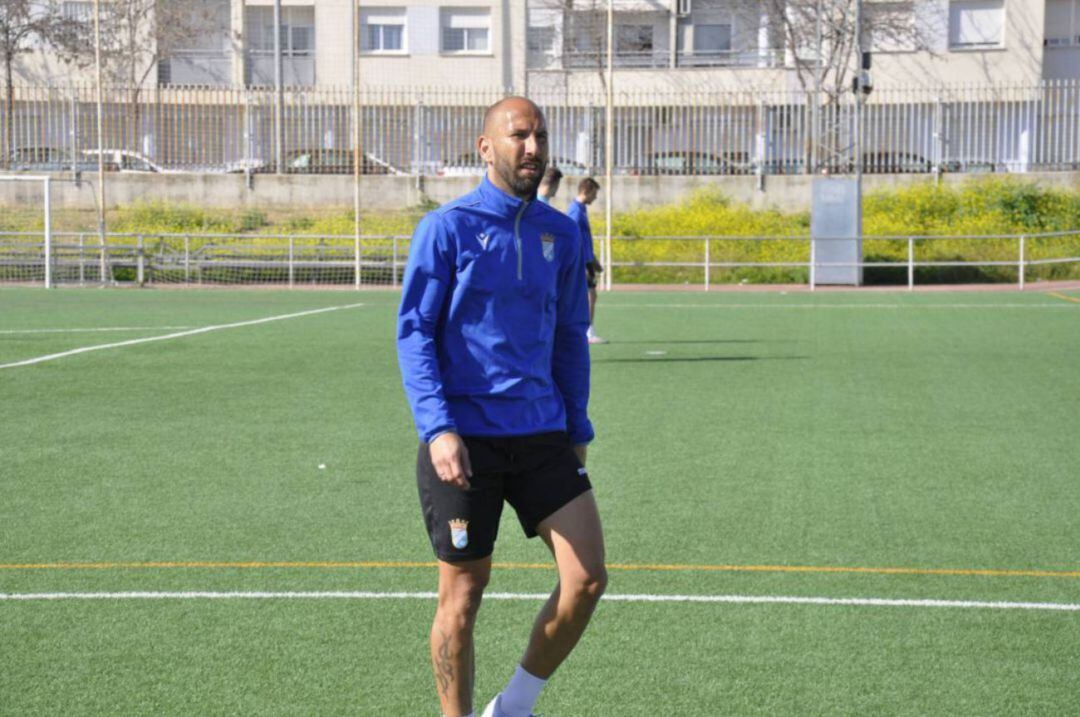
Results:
x,y
47,238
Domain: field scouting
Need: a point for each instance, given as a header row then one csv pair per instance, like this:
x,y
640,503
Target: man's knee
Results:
x,y
459,596
588,584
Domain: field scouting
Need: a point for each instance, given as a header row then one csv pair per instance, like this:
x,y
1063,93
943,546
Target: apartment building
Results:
x,y
531,45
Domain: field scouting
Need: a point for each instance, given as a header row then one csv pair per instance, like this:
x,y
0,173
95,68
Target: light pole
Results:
x,y
861,86
279,97
100,134
609,141
358,153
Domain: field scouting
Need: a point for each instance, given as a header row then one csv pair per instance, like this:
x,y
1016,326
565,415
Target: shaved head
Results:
x,y
514,145
502,111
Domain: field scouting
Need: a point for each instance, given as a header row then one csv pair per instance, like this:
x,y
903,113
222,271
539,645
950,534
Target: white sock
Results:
x,y
520,695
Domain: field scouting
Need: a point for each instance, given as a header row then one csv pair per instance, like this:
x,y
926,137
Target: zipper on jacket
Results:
x,y
517,235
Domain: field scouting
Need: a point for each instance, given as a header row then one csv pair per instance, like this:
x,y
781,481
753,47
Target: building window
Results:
x,y
79,11
976,24
633,39
712,39
1062,23
890,27
297,30
466,30
382,30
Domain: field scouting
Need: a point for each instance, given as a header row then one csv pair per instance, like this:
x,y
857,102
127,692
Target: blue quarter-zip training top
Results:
x,y
491,330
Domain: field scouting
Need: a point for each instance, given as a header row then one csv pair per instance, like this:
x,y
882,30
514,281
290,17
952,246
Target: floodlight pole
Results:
x,y
358,153
861,87
279,97
609,142
100,134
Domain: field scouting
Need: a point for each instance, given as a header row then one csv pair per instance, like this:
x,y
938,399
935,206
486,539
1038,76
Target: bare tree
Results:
x,y
137,35
26,25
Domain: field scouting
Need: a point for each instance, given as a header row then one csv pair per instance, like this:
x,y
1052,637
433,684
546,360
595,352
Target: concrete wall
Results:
x,y
227,191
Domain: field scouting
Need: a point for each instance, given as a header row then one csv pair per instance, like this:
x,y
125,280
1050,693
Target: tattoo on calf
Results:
x,y
444,669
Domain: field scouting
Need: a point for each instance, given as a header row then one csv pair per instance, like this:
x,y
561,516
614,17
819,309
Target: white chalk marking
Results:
x,y
629,598
181,334
614,305
9,332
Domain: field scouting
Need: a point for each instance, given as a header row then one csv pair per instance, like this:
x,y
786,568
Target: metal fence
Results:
x,y
328,260
432,131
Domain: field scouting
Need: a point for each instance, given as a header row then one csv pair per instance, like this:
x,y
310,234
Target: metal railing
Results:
x,y
332,260
1013,128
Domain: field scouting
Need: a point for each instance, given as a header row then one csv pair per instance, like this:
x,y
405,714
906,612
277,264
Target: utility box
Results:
x,y
836,231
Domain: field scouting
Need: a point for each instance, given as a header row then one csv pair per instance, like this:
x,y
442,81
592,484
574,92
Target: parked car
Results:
x,y
470,165
972,166
464,165
124,160
685,162
895,163
332,161
48,159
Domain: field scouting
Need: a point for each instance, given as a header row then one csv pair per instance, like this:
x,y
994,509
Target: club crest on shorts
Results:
x,y
459,533
548,241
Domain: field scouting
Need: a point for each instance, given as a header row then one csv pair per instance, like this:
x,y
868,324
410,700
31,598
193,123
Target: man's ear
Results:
x,y
483,146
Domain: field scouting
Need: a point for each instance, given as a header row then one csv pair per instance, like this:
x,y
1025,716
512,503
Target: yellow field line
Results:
x,y
1063,296
641,567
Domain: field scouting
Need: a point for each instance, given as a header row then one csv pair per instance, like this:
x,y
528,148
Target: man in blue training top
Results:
x,y
491,342
579,212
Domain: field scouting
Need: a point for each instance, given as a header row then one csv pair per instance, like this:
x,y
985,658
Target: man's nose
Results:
x,y
532,146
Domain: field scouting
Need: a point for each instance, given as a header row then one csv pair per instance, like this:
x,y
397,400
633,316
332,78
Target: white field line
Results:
x,y
630,598
180,334
782,307
8,332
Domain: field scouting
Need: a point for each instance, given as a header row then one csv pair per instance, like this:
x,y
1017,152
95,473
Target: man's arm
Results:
x,y
570,357
428,276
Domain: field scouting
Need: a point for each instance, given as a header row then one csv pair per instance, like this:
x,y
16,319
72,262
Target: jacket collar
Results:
x,y
497,199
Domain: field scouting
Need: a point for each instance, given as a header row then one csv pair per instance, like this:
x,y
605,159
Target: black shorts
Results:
x,y
536,474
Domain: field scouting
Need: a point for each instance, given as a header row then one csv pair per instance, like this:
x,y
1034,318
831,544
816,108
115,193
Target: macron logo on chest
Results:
x,y
483,238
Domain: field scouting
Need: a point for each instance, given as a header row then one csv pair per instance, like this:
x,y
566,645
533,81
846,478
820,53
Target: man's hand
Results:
x,y
451,460
581,452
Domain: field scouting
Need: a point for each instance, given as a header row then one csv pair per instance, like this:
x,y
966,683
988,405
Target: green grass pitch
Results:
x,y
929,432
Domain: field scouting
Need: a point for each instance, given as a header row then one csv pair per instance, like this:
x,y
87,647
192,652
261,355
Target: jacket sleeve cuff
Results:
x,y
582,434
429,436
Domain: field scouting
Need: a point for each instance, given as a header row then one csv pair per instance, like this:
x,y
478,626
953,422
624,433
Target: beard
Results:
x,y
523,186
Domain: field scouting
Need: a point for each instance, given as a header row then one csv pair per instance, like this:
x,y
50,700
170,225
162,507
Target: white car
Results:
x,y
124,160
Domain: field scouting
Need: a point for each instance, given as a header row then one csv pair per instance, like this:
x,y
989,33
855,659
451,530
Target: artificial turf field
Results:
x,y
831,445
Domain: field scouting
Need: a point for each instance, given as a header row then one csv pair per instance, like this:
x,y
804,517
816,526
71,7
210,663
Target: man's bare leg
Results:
x,y
574,535
461,586
592,306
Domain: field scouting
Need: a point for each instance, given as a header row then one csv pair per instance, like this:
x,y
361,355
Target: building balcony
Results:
x,y
760,58
196,67
656,59
296,70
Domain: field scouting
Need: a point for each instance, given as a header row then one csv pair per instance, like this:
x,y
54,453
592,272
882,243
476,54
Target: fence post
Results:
x,y
707,263
187,260
910,264
394,264
82,259
292,265
48,234
1022,265
356,263
140,263
813,262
